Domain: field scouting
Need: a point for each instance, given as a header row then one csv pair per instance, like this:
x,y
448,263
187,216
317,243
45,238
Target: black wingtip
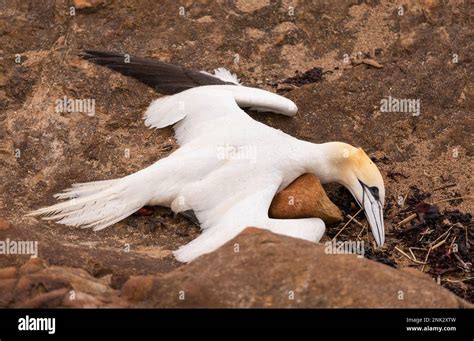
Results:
x,y
164,77
93,55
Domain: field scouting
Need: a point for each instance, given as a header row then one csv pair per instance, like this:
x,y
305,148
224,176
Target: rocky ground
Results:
x,y
364,52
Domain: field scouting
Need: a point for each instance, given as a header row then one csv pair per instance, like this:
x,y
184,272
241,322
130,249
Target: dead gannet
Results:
x,y
228,167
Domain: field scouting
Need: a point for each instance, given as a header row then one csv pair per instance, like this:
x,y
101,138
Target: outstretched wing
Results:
x,y
206,110
230,202
164,77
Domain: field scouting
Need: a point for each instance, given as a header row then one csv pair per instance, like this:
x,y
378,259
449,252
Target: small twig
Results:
x,y
442,235
404,200
342,229
427,232
426,260
362,230
412,254
407,219
354,220
368,61
432,247
439,244
445,186
452,242
466,266
451,199
467,237
458,281
407,256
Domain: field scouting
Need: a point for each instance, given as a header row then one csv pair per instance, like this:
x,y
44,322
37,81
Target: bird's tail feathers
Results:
x,y
98,204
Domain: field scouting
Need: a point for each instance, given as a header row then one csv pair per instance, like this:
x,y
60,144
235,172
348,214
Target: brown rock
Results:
x,y
277,271
118,280
78,289
50,299
31,285
79,280
7,287
80,299
284,86
137,288
5,224
8,272
407,40
304,198
443,35
32,265
86,4
249,6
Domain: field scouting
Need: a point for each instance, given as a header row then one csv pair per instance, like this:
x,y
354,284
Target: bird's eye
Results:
x,y
375,192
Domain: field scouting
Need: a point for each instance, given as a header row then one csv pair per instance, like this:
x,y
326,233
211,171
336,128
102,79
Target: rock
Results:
x,y
443,35
137,288
304,198
286,87
8,272
80,299
49,299
407,40
205,19
31,285
87,4
32,265
5,224
249,6
277,271
7,287
42,286
118,280
254,33
79,279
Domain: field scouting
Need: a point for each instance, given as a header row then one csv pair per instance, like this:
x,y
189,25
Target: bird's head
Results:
x,y
359,174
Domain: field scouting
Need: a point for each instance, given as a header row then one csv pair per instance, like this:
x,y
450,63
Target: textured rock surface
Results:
x,y
276,271
38,285
268,271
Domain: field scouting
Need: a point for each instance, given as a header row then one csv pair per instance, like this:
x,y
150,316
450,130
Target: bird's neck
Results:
x,y
320,159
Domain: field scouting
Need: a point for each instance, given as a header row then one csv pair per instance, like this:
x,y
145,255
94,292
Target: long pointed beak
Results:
x,y
374,212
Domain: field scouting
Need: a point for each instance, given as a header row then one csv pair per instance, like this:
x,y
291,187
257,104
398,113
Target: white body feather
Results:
x,y
227,169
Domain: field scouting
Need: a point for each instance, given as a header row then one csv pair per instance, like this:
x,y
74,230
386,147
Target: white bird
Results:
x,y
228,167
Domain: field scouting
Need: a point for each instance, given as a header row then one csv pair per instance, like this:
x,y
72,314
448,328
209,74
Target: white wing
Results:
x,y
200,110
225,204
